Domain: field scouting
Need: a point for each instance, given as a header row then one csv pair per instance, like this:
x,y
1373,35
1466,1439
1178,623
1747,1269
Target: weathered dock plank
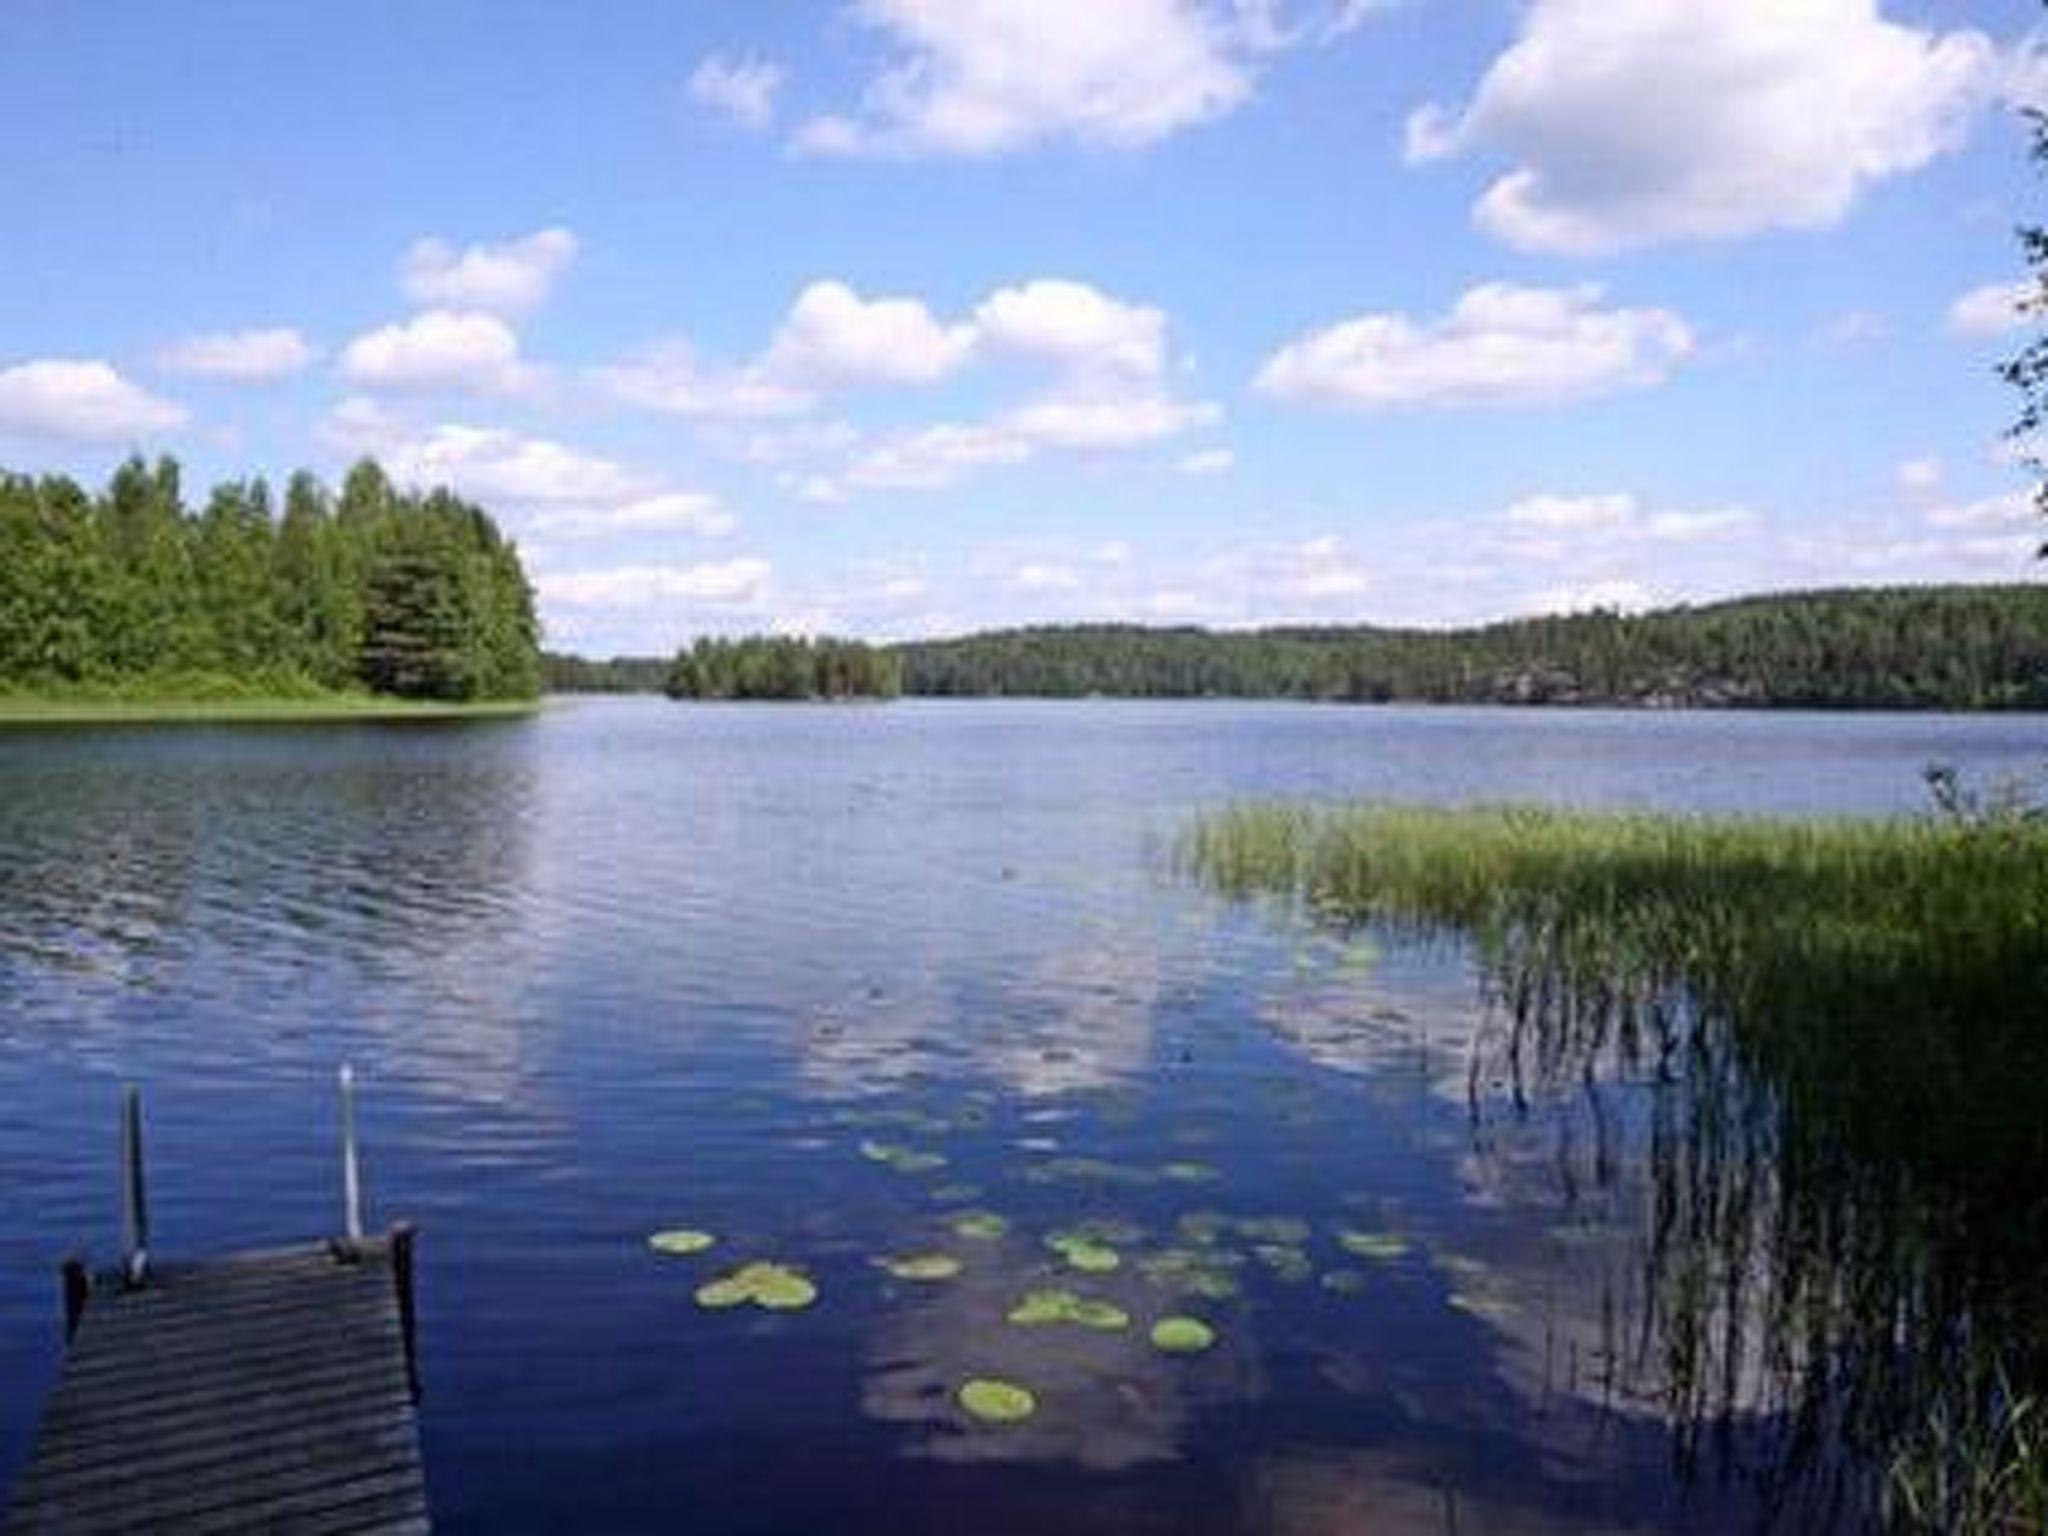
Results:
x,y
266,1392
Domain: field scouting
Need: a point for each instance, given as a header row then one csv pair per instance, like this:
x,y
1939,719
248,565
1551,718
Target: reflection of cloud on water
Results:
x,y
1073,1019
1344,1492
1107,1400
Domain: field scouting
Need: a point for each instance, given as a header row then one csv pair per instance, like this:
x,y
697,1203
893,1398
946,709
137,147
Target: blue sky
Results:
x,y
896,317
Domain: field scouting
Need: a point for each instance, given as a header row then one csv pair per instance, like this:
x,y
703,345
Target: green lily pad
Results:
x,y
1182,1335
1280,1231
776,1287
681,1242
1189,1172
1041,1308
923,1266
982,1226
1382,1247
1204,1227
902,1159
956,1194
1289,1264
1084,1252
1344,1282
994,1401
1203,1272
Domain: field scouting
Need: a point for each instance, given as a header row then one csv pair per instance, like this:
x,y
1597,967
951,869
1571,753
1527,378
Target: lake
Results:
x,y
825,980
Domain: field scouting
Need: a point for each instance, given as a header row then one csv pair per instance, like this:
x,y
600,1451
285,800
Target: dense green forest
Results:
x,y
414,595
1873,648
1897,648
778,667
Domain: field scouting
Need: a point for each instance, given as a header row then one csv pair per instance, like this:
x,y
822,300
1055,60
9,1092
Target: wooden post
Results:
x,y
77,1291
402,1239
351,1163
134,1195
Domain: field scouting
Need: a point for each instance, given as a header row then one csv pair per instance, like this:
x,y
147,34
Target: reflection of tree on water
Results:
x,y
1827,1069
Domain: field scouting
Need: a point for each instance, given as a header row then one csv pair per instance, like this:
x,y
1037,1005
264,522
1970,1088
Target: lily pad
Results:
x,y
1182,1335
922,1266
1084,1252
982,1226
1281,1231
1382,1247
1203,1272
1344,1282
994,1401
681,1242
1204,1227
1041,1308
956,1194
1188,1171
776,1287
1289,1264
902,1159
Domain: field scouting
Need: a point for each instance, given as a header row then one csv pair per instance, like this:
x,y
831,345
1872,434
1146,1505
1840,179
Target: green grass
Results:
x,y
204,699
1842,1027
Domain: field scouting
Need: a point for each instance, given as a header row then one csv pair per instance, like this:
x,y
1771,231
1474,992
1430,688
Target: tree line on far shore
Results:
x,y
411,594
1952,647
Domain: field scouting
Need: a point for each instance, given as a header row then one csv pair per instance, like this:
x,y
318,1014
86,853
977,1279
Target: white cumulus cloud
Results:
x,y
508,278
439,349
80,400
1075,326
743,90
1630,123
239,357
1995,309
834,338
1501,345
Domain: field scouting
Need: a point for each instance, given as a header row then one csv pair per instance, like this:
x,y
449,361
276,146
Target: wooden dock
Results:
x,y
270,1391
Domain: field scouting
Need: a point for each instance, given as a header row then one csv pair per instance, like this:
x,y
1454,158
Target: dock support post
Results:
x,y
402,1239
134,1194
351,1163
77,1291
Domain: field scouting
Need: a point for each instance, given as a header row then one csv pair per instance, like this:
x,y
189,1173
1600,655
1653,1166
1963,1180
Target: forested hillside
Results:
x,y
1898,648
781,667
407,594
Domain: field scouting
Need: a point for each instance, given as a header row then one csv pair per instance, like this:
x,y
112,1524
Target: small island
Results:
x,y
376,603
762,667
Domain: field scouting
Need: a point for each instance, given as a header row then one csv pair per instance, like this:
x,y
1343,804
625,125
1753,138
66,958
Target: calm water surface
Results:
x,y
632,966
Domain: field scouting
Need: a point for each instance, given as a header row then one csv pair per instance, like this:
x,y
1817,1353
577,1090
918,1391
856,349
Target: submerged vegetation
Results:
x,y
1838,1028
131,595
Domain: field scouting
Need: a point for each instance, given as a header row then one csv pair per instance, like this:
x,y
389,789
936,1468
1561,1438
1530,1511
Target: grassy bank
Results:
x,y
1839,1029
26,710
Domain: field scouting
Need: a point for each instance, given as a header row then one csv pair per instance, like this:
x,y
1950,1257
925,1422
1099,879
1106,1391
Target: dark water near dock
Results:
x,y
633,966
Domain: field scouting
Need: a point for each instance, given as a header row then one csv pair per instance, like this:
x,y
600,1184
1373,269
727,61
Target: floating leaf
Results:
x,y
1344,1282
1382,1247
1204,1227
1040,1308
982,1226
902,1159
1083,1252
1182,1335
681,1242
997,1402
1188,1171
923,1266
956,1194
776,1287
1194,1272
1289,1264
1283,1231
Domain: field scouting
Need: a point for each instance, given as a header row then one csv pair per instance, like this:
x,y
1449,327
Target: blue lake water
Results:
x,y
630,966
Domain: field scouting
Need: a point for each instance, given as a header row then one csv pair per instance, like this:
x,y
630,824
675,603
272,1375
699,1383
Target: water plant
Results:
x,y
901,1159
1084,1251
774,1287
680,1242
995,1401
1182,1335
1040,1308
1381,1247
981,1226
922,1267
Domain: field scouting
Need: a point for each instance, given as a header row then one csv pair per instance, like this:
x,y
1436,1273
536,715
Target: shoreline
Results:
x,y
30,711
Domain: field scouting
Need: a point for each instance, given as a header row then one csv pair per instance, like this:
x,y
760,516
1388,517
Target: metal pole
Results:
x,y
134,1196
351,1162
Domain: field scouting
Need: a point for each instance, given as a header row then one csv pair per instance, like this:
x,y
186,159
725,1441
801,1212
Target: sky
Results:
x,y
906,317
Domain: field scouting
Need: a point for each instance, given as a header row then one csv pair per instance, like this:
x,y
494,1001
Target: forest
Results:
x,y
780,667
375,589
1879,648
1956,647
